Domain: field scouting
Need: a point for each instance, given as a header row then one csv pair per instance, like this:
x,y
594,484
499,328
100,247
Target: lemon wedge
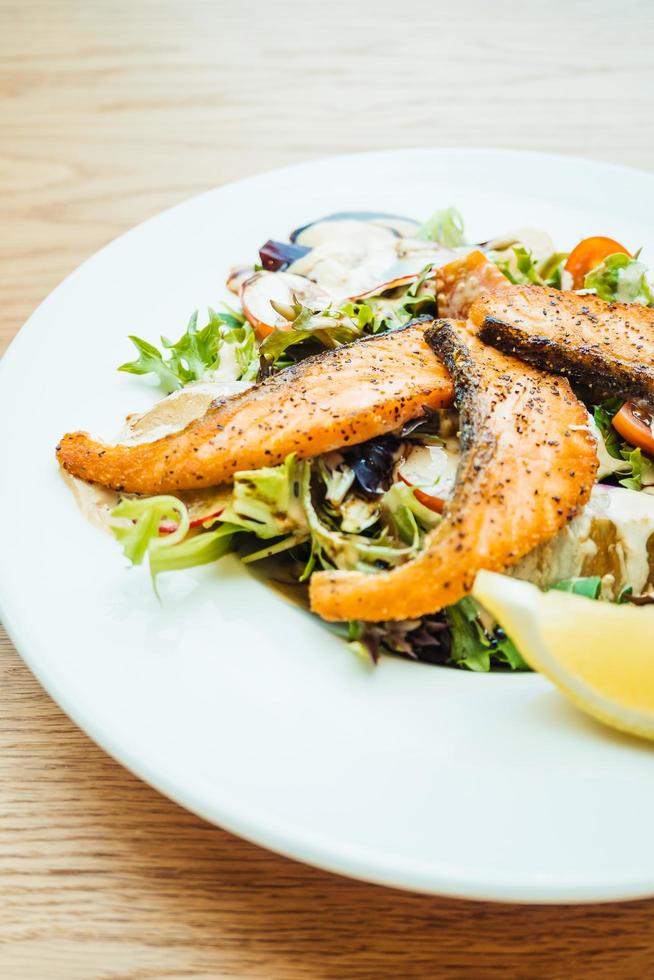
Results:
x,y
601,655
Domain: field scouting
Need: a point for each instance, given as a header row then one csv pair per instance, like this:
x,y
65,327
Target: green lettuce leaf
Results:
x,y
636,469
551,269
622,279
358,552
642,469
199,549
338,479
137,522
198,351
473,646
521,269
150,361
333,327
285,505
157,527
400,506
330,328
603,415
267,502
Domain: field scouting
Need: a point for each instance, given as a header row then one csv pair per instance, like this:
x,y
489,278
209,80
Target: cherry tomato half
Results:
x,y
588,254
635,426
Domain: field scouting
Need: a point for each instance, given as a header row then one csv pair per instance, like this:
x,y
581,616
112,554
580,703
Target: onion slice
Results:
x,y
284,288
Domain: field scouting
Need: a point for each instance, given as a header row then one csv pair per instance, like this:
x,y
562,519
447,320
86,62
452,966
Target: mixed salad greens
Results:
x,y
370,506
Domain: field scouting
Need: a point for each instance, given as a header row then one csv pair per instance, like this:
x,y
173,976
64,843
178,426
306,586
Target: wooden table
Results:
x,y
111,111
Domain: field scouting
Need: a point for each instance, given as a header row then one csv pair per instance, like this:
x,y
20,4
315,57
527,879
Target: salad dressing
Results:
x,y
168,415
613,536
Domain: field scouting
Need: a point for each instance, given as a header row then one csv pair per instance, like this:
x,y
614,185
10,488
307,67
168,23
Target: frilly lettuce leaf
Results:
x,y
157,527
522,268
603,417
642,469
137,523
399,504
338,478
357,515
198,351
351,511
357,552
334,326
198,549
621,279
473,645
267,501
150,361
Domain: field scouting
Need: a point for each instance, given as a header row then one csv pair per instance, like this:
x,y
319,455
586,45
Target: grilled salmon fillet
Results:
x,y
335,399
460,283
609,346
528,464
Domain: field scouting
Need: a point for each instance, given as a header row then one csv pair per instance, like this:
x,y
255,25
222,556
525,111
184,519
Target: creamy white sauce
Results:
x,y
95,503
169,415
176,411
350,257
608,538
632,514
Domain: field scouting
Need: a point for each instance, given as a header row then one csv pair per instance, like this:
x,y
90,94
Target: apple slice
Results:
x,y
237,276
385,287
284,288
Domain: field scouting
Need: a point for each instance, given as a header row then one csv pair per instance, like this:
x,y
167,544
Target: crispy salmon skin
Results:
x,y
335,399
528,464
609,346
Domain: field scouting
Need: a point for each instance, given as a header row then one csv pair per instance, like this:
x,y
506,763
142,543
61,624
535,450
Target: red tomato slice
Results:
x,y
588,254
635,426
168,527
199,521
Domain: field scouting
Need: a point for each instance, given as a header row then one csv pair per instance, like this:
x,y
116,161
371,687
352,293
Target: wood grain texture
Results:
x,y
109,112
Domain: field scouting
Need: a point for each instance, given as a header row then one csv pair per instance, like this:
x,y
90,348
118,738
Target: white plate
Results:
x,y
233,702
